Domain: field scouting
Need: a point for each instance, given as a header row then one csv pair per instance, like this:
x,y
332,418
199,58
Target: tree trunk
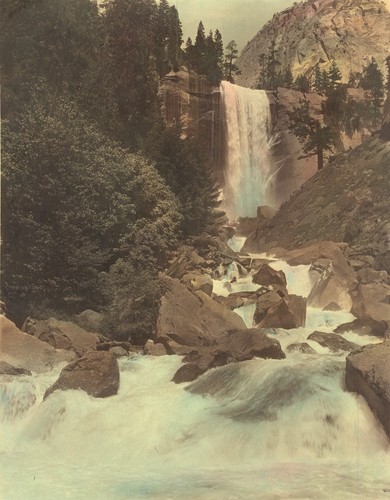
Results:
x,y
320,158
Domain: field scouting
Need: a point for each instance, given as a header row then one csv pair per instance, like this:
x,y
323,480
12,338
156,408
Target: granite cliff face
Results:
x,y
318,31
191,102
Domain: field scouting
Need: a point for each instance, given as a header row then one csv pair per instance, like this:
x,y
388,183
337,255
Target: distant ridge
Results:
x,y
317,31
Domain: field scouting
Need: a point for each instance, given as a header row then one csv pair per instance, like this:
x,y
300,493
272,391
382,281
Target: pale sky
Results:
x,y
237,20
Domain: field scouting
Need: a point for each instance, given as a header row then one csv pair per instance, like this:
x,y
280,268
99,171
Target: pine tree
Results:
x,y
175,38
219,53
200,49
302,83
372,82
288,79
334,77
231,55
316,138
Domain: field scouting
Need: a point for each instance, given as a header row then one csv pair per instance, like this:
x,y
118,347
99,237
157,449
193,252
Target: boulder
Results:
x,y
333,341
242,345
371,300
90,320
196,282
118,351
152,349
264,303
232,301
303,348
368,374
246,225
22,350
96,373
7,369
288,313
62,335
189,372
364,326
266,276
192,319
332,306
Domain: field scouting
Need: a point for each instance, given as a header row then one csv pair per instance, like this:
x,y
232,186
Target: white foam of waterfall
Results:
x,y
247,168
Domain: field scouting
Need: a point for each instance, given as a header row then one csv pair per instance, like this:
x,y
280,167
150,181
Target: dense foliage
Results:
x,y
95,190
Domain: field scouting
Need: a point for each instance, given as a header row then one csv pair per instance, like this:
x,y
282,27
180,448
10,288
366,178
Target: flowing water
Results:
x,y
247,169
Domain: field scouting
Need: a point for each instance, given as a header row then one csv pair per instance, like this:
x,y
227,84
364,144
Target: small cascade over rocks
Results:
x,y
247,165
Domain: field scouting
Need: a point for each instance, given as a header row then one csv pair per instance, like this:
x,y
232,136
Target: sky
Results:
x,y
237,20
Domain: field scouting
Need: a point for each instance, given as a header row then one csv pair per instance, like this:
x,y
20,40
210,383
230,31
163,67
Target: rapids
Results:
x,y
266,429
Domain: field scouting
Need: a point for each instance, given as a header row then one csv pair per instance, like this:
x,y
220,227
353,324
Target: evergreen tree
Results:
x,y
316,138
288,79
231,55
302,83
372,82
200,49
334,77
218,53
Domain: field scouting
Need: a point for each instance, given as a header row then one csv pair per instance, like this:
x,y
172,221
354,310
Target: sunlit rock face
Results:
x,y
317,32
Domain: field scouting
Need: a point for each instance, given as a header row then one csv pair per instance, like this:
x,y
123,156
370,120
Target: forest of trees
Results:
x,y
95,190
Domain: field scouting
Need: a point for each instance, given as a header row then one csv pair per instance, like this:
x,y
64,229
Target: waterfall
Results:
x,y
247,155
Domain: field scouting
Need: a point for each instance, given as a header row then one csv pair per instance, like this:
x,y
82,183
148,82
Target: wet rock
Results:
x,y
332,306
189,372
333,341
22,350
266,276
96,373
368,374
264,303
246,225
192,318
364,326
231,301
303,348
288,313
242,345
153,349
63,335
7,369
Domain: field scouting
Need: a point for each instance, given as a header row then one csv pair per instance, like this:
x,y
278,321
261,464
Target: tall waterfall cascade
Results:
x,y
247,155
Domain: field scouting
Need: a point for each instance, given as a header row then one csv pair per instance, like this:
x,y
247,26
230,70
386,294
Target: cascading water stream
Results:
x,y
247,165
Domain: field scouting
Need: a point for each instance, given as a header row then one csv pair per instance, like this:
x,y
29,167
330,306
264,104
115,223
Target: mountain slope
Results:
x,y
318,31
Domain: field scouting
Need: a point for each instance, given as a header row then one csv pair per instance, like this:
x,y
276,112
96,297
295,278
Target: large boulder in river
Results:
x,y
196,282
266,276
371,300
62,335
364,326
90,320
97,373
192,319
289,313
7,369
264,303
22,350
333,341
368,373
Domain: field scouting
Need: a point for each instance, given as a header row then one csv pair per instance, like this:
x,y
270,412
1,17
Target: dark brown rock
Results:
x,y
368,374
333,341
196,282
370,301
90,320
364,326
266,276
264,303
188,373
304,348
97,373
192,319
288,313
7,369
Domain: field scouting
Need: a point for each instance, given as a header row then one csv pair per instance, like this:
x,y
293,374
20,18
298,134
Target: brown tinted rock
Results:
x,y
7,369
246,225
97,373
231,301
65,335
364,326
288,313
304,348
370,301
264,303
118,351
368,374
192,318
188,373
242,345
196,282
333,341
22,350
266,276
332,306
153,349
91,321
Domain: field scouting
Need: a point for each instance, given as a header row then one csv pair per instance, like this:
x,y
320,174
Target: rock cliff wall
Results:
x,y
318,31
